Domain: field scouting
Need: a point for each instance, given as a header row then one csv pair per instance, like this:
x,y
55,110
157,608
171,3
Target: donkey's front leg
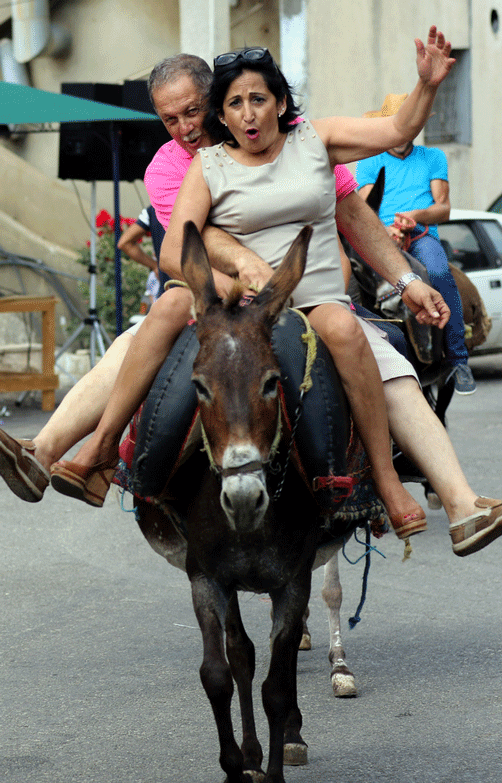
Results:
x,y
342,678
241,657
279,689
210,604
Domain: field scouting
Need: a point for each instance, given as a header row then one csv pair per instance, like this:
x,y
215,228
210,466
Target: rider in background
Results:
x,y
417,177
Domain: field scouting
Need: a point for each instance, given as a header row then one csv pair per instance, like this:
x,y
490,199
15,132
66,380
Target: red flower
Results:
x,y
107,222
102,218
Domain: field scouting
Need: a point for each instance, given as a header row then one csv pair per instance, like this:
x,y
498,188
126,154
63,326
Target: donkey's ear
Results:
x,y
283,282
375,195
196,269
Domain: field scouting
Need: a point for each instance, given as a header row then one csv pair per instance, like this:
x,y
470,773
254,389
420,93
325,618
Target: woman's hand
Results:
x,y
433,61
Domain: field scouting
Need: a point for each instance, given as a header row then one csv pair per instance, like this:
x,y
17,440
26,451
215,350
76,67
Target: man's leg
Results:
x,y
24,465
423,439
88,476
429,251
474,521
81,409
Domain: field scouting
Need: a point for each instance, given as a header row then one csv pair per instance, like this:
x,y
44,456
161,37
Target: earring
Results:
x,y
281,112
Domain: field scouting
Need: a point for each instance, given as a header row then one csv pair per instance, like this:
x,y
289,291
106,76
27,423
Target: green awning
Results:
x,y
20,105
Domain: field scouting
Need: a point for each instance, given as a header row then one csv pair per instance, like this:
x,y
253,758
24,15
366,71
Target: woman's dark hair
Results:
x,y
222,79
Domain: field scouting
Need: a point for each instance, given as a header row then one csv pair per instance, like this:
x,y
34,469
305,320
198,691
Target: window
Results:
x,y
494,231
462,247
451,118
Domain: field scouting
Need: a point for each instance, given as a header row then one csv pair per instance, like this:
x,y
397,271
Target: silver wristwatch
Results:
x,y
404,280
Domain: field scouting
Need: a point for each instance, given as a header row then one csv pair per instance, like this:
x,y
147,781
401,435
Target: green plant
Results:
x,y
133,275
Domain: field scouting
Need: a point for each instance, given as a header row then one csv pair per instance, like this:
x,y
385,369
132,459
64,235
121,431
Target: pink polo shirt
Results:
x,y
169,165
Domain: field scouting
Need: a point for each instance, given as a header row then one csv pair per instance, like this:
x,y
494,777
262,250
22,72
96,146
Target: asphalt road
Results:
x,y
100,650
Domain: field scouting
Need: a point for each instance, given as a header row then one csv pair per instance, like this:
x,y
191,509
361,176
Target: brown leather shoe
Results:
x,y
83,483
21,470
479,529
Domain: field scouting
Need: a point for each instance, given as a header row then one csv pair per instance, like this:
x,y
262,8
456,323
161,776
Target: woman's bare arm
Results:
x,y
353,138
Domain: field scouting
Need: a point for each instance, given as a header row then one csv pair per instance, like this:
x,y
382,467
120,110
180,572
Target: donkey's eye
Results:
x,y
203,392
270,386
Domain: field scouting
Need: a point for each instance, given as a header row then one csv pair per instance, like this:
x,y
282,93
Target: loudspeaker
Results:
x,y
85,150
85,147
139,139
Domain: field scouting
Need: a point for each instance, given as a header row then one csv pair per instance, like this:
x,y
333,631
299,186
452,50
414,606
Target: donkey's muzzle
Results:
x,y
244,498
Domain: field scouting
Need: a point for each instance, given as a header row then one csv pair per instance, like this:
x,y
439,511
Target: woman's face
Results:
x,y
251,111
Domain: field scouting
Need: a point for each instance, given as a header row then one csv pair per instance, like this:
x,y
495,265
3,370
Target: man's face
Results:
x,y
179,105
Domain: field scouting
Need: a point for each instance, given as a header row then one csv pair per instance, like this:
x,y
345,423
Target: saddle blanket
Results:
x,y
327,452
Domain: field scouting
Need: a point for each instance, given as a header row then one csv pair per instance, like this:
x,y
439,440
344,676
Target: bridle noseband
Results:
x,y
248,467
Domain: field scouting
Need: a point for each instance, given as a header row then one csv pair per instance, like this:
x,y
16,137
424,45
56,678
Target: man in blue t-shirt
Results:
x,y
416,198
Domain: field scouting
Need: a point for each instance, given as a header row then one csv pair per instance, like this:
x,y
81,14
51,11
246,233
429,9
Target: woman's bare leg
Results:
x,y
362,382
147,351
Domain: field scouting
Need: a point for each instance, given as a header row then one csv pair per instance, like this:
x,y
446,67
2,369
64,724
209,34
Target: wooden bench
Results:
x,y
46,381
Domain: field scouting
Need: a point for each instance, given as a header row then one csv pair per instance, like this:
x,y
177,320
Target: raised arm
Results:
x,y
354,138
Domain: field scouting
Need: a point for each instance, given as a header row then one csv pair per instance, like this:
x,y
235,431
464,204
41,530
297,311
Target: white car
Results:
x,y
473,242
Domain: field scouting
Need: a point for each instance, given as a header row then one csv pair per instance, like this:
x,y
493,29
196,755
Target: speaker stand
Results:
x,y
98,334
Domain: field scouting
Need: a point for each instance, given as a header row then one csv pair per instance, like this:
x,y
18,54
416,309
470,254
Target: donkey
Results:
x,y
241,533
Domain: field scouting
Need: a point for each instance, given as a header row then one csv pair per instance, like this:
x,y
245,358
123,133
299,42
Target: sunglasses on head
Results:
x,y
250,55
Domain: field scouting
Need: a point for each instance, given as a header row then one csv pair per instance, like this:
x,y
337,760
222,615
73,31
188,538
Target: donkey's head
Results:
x,y
236,376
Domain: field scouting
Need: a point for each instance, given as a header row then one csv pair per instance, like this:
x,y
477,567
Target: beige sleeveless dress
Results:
x,y
266,206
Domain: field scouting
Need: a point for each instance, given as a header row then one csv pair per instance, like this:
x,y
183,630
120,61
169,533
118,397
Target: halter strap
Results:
x,y
248,467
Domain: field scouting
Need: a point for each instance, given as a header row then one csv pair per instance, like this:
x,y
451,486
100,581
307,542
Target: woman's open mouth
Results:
x,y
252,133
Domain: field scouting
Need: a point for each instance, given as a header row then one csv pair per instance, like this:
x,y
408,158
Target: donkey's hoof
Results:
x,y
295,754
344,685
433,502
306,642
255,775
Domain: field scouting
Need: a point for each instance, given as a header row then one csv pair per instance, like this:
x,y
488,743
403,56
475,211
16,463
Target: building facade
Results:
x,y
343,57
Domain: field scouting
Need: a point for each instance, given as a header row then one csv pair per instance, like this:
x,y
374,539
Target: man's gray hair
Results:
x,y
170,69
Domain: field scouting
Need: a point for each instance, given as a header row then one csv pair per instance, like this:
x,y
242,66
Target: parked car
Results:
x,y
473,243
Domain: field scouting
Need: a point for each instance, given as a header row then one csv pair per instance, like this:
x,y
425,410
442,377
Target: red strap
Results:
x,y
343,483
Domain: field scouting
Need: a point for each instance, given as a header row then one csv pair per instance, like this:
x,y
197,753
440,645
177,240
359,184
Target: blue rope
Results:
x,y
133,510
367,554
